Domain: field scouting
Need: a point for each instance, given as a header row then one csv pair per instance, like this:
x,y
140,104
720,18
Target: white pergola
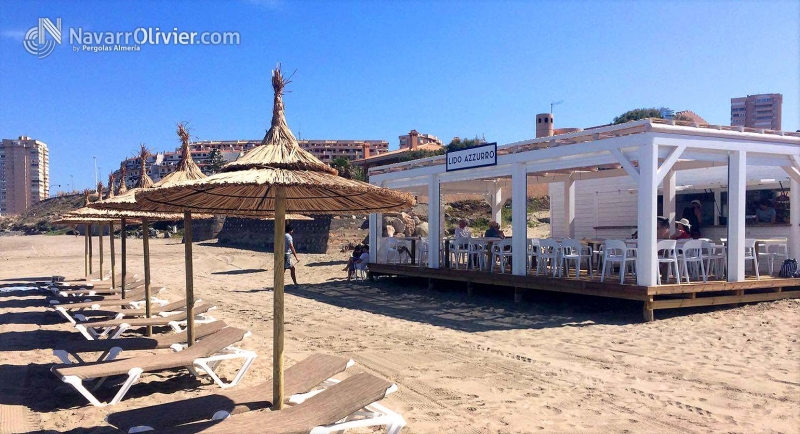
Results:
x,y
649,151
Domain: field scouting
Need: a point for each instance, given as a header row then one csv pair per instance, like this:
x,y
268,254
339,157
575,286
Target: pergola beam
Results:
x,y
670,161
626,164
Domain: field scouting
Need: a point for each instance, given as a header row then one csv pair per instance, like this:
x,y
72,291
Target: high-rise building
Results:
x,y
24,174
757,111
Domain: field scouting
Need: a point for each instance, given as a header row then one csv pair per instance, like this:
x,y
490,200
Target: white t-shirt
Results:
x,y
462,232
288,240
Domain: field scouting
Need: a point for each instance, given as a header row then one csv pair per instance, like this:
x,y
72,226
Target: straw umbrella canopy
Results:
x,y
186,170
111,207
123,188
275,178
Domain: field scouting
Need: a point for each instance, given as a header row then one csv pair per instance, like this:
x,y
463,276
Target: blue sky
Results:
x,y
375,70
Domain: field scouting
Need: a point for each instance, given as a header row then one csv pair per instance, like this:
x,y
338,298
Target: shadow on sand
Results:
x,y
37,318
326,263
61,396
36,339
489,308
235,272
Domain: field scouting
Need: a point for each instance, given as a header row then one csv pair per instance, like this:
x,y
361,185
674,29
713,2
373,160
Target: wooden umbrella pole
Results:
x,y
123,238
146,247
90,248
86,250
111,248
277,346
187,240
100,240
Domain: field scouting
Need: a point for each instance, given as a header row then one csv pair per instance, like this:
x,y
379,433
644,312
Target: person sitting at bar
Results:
x,y
357,251
361,261
662,228
363,258
494,230
682,228
765,213
462,231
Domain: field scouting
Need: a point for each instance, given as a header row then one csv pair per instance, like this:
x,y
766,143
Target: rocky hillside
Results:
x,y
37,219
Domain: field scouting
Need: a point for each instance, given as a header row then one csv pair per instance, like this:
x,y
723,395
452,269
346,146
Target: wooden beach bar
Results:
x,y
638,170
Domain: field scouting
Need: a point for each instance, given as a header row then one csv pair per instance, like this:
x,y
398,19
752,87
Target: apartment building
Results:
x,y
24,174
161,164
757,111
417,139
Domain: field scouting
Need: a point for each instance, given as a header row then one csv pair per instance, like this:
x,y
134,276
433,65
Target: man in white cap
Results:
x,y
694,215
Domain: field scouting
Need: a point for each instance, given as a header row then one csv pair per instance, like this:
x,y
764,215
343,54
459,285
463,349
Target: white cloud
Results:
x,y
17,35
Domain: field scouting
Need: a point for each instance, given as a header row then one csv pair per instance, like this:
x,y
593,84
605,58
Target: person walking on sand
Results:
x,y
288,264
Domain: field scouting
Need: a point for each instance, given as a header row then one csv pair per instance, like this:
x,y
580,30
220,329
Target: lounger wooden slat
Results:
x,y
96,289
74,303
130,279
328,407
110,348
300,378
115,327
197,357
174,306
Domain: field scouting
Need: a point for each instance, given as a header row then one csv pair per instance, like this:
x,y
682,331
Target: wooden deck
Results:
x,y
670,296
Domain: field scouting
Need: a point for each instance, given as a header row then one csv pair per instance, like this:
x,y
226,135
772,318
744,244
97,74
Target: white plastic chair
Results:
x,y
549,250
666,254
390,248
692,253
423,247
750,254
360,271
533,254
716,259
459,251
771,251
501,255
573,250
478,250
616,251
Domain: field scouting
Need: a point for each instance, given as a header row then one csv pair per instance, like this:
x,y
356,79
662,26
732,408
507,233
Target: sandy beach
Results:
x,y
482,364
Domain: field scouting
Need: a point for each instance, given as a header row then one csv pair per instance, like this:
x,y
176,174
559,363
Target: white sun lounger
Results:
x,y
161,309
203,357
314,371
350,404
70,352
114,328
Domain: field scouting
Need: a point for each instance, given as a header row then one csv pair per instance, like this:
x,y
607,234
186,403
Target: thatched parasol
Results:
x,y
274,178
123,187
126,204
116,207
110,185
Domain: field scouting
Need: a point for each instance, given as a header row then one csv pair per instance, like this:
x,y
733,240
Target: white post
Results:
x,y
434,221
569,207
375,231
668,199
737,181
519,219
497,204
794,219
646,266
717,205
